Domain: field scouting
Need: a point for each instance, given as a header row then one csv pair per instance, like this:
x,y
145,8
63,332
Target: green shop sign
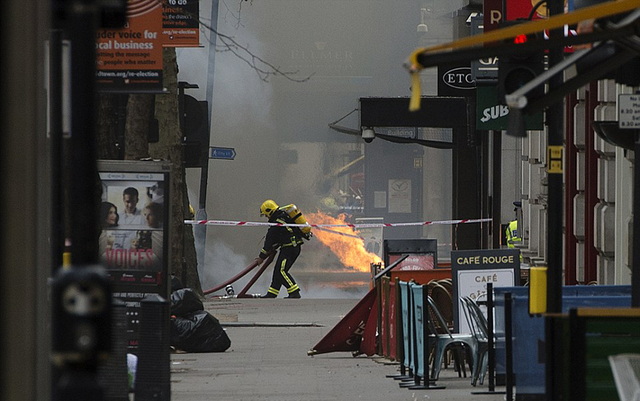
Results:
x,y
490,115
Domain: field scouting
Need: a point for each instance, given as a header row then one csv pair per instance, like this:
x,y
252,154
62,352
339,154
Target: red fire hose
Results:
x,y
241,274
242,294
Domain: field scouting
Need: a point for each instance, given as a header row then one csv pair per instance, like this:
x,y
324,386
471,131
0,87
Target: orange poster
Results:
x,y
180,26
129,59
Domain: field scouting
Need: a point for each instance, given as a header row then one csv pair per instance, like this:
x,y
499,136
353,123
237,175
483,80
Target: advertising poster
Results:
x,y
133,213
373,236
415,262
133,243
400,196
180,27
129,59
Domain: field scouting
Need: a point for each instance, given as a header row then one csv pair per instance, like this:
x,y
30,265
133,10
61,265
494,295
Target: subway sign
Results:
x,y
491,115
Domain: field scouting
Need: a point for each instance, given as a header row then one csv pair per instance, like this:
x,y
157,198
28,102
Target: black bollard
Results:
x,y
153,376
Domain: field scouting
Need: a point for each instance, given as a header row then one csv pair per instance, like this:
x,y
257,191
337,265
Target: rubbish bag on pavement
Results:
x,y
184,301
176,284
199,332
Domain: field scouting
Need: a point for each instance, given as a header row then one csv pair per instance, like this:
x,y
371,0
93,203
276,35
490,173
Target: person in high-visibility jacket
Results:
x,y
513,235
289,241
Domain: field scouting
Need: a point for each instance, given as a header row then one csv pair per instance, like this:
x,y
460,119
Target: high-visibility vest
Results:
x,y
512,234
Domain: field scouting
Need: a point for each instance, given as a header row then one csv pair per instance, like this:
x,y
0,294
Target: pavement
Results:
x,y
268,359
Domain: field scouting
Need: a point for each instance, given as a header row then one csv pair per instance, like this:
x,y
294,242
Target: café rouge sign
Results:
x,y
485,260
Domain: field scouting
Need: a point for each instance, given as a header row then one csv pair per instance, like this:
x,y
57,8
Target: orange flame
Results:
x,y
347,248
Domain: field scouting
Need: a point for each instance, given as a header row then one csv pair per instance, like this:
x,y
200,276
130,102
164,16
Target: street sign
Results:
x,y
491,115
222,153
629,111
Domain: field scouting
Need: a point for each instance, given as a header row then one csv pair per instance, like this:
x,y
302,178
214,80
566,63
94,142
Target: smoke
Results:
x,y
279,128
221,264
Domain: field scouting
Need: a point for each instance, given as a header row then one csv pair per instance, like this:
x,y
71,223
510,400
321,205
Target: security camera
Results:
x,y
368,135
422,27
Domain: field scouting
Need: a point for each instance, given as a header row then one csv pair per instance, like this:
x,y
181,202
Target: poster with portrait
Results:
x,y
133,244
132,218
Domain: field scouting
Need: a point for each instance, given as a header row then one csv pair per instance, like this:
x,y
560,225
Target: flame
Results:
x,y
349,249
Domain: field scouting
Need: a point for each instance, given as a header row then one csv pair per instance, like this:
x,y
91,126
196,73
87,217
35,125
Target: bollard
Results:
x,y
153,378
112,376
537,290
508,335
81,332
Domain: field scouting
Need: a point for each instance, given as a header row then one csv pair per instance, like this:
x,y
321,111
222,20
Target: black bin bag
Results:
x,y
199,332
184,301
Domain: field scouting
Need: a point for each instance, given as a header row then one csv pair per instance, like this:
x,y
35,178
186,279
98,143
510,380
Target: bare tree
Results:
x,y
169,147
226,43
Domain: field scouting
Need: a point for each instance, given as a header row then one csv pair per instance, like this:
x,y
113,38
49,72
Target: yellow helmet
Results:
x,y
268,207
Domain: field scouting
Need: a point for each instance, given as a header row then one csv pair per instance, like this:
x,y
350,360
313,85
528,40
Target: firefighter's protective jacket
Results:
x,y
280,236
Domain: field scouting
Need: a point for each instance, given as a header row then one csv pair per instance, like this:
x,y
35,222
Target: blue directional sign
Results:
x,y
222,153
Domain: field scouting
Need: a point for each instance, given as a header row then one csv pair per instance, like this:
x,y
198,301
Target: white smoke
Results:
x,y
279,129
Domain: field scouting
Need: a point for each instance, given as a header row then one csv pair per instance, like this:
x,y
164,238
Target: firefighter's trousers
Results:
x,y
281,276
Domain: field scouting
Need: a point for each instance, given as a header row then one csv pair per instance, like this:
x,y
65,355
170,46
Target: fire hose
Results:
x,y
238,276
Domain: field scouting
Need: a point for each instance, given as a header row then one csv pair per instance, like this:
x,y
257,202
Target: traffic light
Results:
x,y
517,69
195,131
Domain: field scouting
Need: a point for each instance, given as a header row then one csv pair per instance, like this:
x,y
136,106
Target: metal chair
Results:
x,y
444,340
447,284
442,298
479,330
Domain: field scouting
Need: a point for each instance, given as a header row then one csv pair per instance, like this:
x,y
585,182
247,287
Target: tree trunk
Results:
x,y
136,143
108,131
169,147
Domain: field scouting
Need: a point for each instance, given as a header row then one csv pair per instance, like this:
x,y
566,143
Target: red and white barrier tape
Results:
x,y
368,225
339,233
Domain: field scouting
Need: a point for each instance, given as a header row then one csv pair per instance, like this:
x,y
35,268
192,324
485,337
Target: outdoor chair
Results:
x,y
446,283
442,298
446,340
479,330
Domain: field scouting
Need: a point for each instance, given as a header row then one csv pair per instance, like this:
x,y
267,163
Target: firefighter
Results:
x,y
289,241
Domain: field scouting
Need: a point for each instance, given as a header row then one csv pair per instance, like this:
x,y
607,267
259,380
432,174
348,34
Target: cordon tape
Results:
x,y
367,225
326,227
